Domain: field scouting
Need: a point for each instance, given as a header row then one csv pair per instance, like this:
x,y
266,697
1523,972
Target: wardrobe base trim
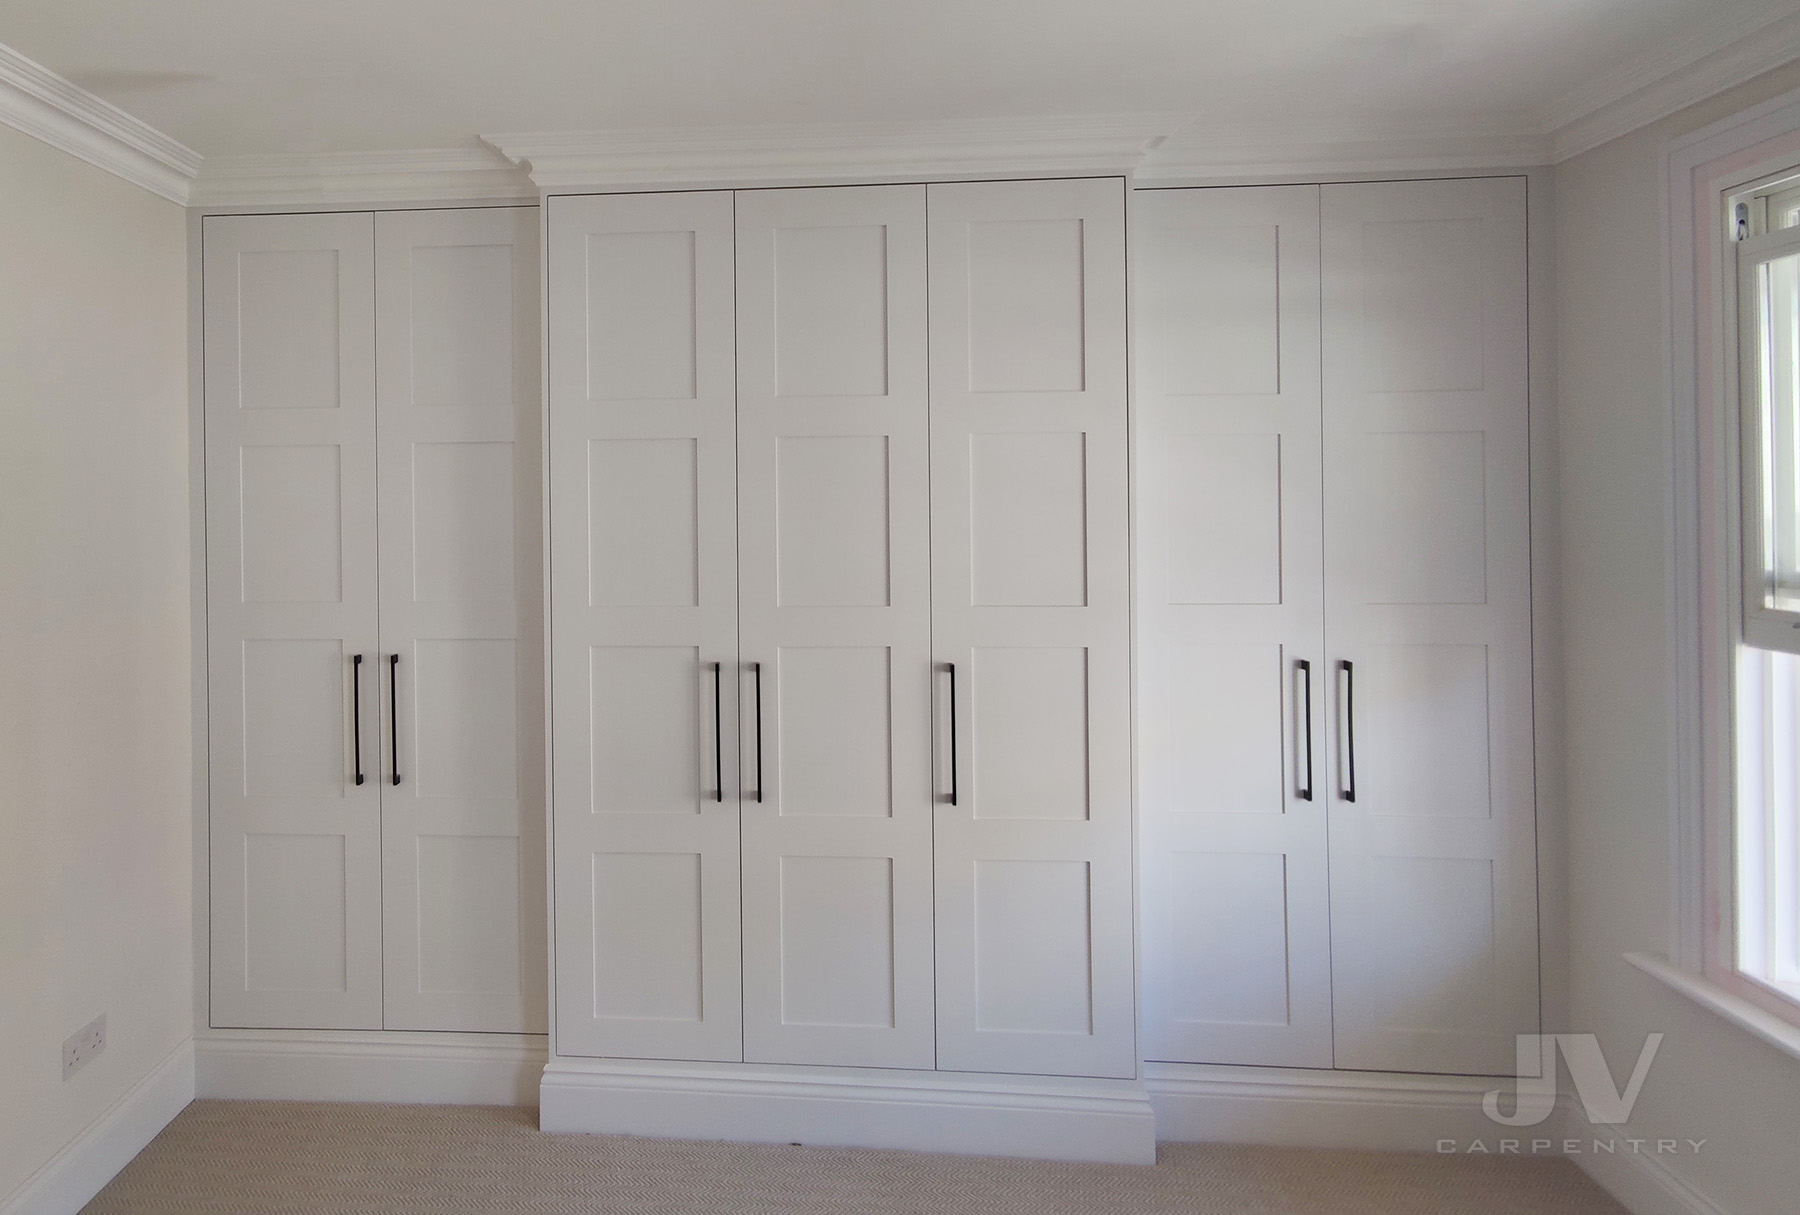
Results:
x,y
1294,1107
406,1068
1051,1118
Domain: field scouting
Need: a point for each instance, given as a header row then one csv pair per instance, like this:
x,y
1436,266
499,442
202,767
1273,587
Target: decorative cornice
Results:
x,y
1650,88
797,154
1218,156
37,101
359,178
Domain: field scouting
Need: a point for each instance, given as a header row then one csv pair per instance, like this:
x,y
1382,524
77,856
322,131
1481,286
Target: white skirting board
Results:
x,y
74,1175
1053,1118
1371,1111
1641,1180
419,1069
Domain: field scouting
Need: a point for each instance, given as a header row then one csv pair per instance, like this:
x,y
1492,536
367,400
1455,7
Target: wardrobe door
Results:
x,y
1428,624
461,668
643,591
1231,746
291,616
1030,627
835,626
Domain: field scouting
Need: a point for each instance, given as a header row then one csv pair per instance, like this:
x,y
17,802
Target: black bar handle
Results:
x,y
952,667
394,712
1349,670
356,713
757,668
1306,794
719,728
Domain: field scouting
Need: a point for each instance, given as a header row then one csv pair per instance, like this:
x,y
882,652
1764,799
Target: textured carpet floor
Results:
x,y
264,1158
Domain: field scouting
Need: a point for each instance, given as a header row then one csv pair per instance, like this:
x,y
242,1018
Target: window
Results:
x,y
1765,828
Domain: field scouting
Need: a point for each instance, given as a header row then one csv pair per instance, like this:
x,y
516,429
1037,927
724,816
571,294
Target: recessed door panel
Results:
x,y
295,922
463,348
1229,947
1028,519
643,522
1423,730
644,702
287,326
292,524
1026,305
1223,518
1030,728
294,727
835,706
835,619
832,530
648,947
463,524
1427,529
643,595
837,941
642,314
1424,285
831,318
461,670
296,891
471,941
1033,947
1231,677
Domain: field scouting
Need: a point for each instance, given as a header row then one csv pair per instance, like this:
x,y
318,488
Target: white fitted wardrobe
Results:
x,y
1338,812
839,587
375,657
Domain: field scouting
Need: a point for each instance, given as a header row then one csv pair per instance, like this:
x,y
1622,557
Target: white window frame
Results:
x,y
1701,172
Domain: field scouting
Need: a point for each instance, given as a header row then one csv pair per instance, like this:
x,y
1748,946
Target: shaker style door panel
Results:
x,y
1030,624
291,607
461,611
835,626
1231,713
643,587
1428,625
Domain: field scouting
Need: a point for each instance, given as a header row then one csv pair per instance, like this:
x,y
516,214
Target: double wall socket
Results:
x,y
83,1045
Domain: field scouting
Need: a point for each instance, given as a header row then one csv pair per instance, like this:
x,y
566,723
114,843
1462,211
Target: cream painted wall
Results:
x,y
95,807
1711,1081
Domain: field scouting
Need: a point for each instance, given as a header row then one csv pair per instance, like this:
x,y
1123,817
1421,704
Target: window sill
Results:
x,y
1782,1035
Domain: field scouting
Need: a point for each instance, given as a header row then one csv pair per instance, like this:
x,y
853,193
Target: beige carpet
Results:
x,y
260,1158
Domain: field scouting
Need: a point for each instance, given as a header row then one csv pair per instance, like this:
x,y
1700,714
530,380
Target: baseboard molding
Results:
x,y
1281,1107
966,1114
1642,1181
74,1175
414,1069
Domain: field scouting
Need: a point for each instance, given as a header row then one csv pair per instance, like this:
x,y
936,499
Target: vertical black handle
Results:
x,y
952,667
1306,794
719,728
757,667
1349,670
394,712
356,712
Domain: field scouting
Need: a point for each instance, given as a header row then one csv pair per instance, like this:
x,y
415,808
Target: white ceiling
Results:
x,y
240,76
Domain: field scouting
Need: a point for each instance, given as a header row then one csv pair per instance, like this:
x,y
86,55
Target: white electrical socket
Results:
x,y
83,1045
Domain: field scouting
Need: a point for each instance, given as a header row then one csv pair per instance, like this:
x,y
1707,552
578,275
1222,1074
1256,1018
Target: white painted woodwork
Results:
x,y
291,590
1428,594
457,416
835,612
1236,912
643,593
1035,958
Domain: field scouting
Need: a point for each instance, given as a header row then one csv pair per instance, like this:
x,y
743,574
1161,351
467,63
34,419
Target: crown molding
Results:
x,y
1224,156
37,101
1652,87
833,152
337,178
